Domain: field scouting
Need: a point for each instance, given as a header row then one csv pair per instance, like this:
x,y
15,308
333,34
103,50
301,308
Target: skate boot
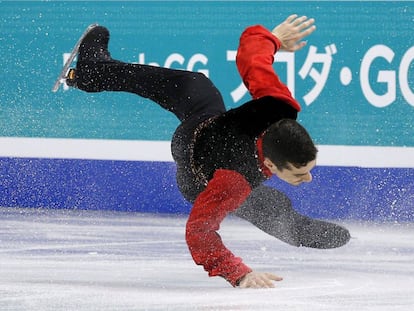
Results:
x,y
322,234
92,56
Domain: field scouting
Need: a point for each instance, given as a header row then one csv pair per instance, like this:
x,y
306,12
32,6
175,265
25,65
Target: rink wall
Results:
x,y
354,80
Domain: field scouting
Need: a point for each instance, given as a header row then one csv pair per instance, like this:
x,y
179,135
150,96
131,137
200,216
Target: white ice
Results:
x,y
96,260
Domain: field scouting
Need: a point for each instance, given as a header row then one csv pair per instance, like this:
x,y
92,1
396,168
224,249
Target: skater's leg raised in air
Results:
x,y
184,93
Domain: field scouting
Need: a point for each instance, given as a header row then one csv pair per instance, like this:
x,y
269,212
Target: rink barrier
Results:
x,y
123,176
78,150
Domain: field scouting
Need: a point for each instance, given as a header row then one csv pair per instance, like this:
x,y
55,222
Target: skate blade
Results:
x,y
62,76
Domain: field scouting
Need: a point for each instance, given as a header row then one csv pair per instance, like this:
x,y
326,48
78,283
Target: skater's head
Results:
x,y
289,151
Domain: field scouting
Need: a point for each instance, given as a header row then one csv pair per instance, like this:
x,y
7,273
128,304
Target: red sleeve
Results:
x,y
224,193
255,57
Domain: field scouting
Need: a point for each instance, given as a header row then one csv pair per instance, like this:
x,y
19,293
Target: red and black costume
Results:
x,y
218,153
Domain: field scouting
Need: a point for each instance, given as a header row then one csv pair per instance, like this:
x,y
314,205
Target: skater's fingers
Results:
x,y
259,280
274,277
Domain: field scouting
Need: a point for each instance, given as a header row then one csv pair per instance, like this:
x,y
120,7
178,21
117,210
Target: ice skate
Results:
x,y
320,234
91,48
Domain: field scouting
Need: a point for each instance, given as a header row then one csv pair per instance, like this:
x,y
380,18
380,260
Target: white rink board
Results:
x,y
141,150
84,260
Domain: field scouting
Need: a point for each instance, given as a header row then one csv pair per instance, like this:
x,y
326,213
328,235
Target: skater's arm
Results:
x,y
255,56
224,193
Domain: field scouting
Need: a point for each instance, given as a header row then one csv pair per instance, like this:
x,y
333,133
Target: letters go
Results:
x,y
386,76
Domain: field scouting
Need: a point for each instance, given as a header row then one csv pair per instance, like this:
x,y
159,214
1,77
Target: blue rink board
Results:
x,y
335,193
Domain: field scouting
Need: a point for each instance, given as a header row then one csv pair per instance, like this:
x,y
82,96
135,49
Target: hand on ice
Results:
x,y
259,280
292,31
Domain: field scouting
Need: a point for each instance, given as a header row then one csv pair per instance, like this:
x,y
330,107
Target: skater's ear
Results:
x,y
269,164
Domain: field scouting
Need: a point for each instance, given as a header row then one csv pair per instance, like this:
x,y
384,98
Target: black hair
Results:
x,y
286,141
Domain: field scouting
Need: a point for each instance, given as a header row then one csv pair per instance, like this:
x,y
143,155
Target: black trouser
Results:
x,y
271,211
193,98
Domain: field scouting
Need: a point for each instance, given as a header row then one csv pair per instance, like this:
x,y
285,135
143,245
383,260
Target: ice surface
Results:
x,y
96,260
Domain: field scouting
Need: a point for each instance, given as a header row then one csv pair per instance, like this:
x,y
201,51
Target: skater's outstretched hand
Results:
x,y
259,280
292,31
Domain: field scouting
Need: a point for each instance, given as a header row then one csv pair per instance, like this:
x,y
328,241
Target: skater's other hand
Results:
x,y
259,280
292,31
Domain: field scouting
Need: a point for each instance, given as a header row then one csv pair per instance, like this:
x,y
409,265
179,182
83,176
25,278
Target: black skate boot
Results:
x,y
92,56
322,234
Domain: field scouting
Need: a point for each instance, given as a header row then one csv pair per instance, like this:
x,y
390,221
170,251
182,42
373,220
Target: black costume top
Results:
x,y
229,140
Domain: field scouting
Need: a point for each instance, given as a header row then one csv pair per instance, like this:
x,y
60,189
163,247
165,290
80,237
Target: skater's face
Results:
x,y
292,175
